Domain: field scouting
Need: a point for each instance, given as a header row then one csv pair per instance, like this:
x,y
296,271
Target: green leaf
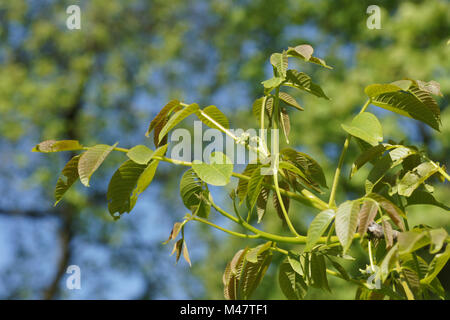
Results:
x,y
424,197
292,168
121,186
253,271
289,100
140,154
242,187
375,90
411,241
232,273
370,154
317,227
280,62
148,174
439,261
67,178
291,283
261,202
217,172
388,262
413,179
254,187
272,82
176,119
412,103
305,52
310,167
56,146
367,214
162,116
91,160
346,223
378,172
194,196
366,127
212,113
437,239
301,80
319,271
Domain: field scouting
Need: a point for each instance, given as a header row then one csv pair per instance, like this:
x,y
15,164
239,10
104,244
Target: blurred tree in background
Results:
x,y
107,80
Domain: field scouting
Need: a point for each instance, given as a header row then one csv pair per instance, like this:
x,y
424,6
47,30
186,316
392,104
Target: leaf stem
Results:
x,y
236,234
269,236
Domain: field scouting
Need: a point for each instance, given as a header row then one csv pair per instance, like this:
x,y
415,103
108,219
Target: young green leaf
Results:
x,y
280,62
211,116
67,178
407,103
317,227
254,270
176,119
366,127
346,223
289,100
319,272
242,187
272,82
56,146
162,116
439,261
291,283
217,172
261,202
140,154
305,52
310,167
302,81
121,186
91,160
413,179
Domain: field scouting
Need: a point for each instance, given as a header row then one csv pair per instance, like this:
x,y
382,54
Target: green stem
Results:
x,y
275,166
236,234
331,202
269,236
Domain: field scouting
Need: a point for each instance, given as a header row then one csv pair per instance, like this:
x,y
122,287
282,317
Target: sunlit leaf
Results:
x,y
366,127
67,178
91,160
176,119
140,154
212,114
346,223
217,172
302,81
318,226
413,179
56,146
